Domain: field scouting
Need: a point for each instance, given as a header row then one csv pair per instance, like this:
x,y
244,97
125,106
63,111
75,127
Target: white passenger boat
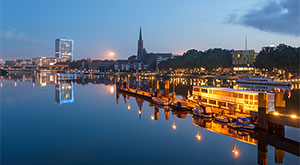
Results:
x,y
261,80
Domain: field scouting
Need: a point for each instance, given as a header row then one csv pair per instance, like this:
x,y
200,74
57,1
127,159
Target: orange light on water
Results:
x,y
293,116
174,126
112,90
276,113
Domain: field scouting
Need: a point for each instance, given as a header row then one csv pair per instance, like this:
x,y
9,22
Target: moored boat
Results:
x,y
221,118
202,111
244,122
180,105
261,80
160,101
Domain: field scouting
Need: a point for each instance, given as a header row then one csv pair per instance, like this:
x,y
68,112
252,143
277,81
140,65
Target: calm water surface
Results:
x,y
73,123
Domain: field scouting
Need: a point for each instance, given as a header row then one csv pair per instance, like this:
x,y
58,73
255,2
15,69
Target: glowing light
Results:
x,y
140,112
128,107
111,55
174,126
198,137
293,116
276,113
15,83
112,90
152,117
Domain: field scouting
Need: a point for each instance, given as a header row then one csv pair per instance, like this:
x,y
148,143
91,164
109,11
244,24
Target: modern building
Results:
x,y
64,49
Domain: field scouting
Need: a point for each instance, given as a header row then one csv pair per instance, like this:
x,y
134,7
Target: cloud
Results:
x,y
278,16
13,35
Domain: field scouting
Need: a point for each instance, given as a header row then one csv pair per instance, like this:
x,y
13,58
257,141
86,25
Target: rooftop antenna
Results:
x,y
246,43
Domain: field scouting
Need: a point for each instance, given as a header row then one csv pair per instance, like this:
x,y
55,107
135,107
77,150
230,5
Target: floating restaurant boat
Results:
x,y
261,81
231,99
221,118
160,101
202,111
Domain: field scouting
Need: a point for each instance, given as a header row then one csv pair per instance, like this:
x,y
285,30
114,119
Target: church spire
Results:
x,y
140,34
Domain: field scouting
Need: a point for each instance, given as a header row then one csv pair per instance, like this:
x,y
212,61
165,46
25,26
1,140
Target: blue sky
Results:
x,y
28,28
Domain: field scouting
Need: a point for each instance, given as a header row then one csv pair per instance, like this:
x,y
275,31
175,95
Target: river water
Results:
x,y
53,120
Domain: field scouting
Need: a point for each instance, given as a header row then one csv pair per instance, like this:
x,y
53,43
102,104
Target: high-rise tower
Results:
x,y
140,50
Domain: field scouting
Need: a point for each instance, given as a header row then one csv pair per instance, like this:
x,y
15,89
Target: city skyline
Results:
x,y
105,28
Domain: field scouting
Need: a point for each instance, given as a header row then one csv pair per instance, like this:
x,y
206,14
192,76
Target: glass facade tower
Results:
x,y
64,49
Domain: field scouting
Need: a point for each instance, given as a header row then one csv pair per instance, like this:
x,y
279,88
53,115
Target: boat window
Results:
x,y
256,97
220,103
246,101
251,97
204,100
234,95
196,89
210,91
212,101
240,95
246,96
204,90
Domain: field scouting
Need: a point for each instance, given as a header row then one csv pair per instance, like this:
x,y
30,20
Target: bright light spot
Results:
x,y
112,90
140,112
293,116
198,137
276,113
152,117
174,127
111,55
128,107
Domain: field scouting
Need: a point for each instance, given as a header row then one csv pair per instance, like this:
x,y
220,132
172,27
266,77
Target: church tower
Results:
x,y
140,50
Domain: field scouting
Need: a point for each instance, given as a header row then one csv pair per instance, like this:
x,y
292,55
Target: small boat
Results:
x,y
180,105
233,125
244,122
221,118
202,111
160,101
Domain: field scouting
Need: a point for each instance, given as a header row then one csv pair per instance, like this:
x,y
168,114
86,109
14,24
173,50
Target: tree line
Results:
x,y
282,57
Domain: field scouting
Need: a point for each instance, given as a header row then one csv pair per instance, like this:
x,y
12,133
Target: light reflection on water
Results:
x,y
92,123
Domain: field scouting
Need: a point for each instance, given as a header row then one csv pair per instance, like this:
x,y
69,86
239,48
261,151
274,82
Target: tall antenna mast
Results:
x,y
246,43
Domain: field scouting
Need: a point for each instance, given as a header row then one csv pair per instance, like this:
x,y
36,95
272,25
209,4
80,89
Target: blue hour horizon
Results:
x,y
30,28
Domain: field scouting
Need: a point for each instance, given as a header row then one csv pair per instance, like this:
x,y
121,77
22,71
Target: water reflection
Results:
x,y
64,93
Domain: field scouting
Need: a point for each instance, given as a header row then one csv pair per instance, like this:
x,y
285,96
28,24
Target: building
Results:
x,y
64,49
141,52
242,60
143,56
268,49
42,61
103,64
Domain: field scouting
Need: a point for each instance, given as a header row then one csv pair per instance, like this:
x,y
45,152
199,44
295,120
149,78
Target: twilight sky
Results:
x,y
29,27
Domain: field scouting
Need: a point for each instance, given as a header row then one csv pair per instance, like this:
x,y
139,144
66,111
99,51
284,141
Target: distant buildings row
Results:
x,y
63,53
242,60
